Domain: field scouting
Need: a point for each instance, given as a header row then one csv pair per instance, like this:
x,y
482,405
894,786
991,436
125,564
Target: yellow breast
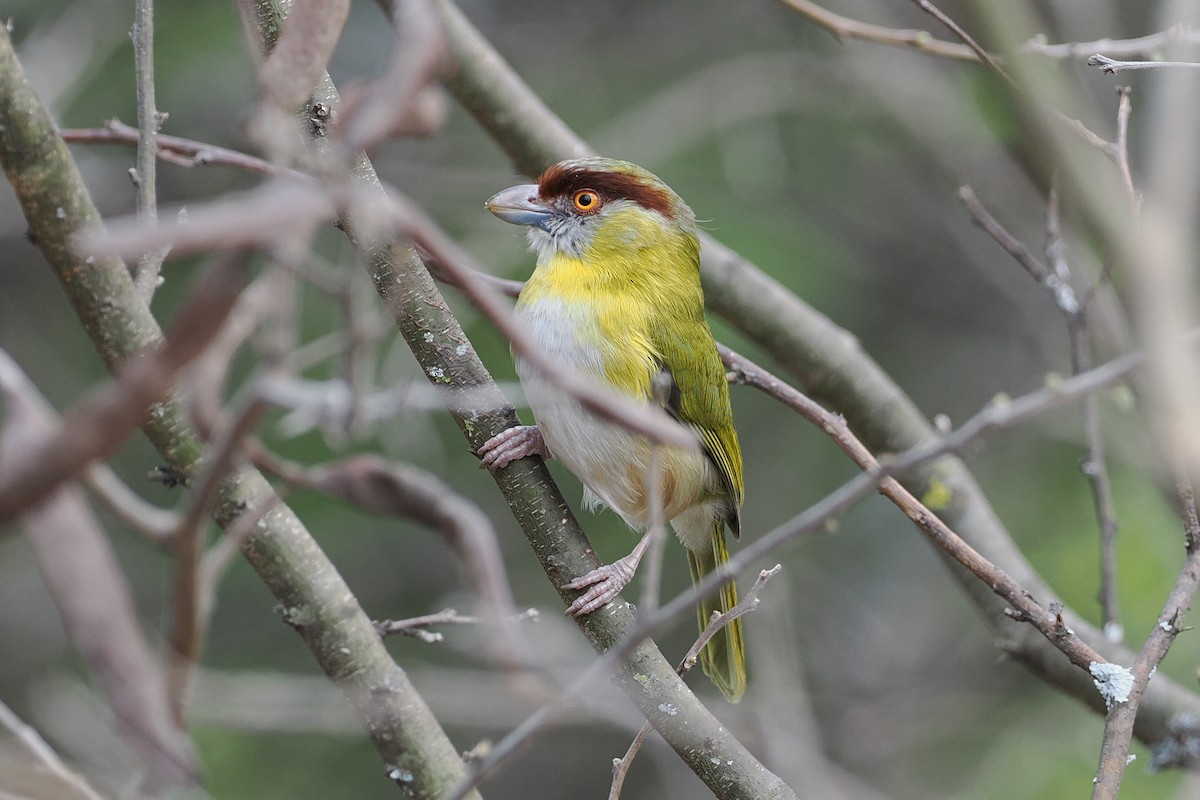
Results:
x,y
592,323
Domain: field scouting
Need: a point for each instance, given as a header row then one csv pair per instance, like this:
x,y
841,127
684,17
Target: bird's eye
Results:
x,y
586,200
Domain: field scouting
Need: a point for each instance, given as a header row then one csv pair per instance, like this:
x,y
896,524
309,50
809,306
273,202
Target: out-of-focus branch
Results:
x,y
314,598
829,363
156,524
43,760
184,152
103,421
91,593
189,621
923,41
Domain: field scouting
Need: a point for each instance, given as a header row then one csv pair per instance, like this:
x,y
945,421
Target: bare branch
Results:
x,y
1118,726
416,627
1095,465
177,150
92,594
924,42
1055,277
150,120
100,424
1111,67
69,785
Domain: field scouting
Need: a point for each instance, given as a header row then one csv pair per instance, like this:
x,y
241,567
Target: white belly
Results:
x,y
609,460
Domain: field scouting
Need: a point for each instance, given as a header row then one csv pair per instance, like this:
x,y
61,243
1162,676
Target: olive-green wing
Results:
x,y
700,398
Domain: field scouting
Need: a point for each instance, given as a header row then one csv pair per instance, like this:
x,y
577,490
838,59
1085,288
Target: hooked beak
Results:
x,y
519,205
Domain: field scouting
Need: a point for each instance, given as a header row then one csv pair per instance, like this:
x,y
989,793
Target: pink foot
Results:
x,y
510,445
602,584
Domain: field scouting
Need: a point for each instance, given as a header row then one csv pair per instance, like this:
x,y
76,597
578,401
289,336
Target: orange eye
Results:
x,y
586,200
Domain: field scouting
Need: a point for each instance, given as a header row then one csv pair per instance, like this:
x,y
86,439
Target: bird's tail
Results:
x,y
724,657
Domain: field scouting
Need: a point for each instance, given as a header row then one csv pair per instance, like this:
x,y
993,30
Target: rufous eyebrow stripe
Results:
x,y
564,180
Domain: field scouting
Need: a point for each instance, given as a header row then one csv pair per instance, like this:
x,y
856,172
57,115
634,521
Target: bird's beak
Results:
x,y
519,205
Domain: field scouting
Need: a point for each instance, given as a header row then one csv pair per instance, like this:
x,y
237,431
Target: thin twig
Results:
x,y
748,603
983,55
1118,726
621,765
1095,465
1111,66
147,276
1011,244
1121,146
177,150
416,626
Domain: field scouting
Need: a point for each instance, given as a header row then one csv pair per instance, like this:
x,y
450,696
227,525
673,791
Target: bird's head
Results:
x,y
597,208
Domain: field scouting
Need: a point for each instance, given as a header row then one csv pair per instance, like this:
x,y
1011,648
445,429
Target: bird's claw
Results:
x,y
511,444
603,584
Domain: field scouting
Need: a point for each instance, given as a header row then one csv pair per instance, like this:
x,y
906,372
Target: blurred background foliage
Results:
x,y
834,167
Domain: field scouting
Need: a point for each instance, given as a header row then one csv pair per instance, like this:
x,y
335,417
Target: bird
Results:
x,y
616,295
